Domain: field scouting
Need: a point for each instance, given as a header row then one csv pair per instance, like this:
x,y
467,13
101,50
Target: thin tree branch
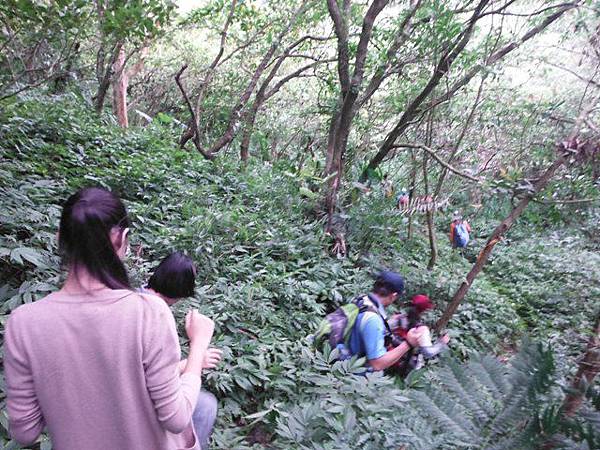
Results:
x,y
566,201
435,156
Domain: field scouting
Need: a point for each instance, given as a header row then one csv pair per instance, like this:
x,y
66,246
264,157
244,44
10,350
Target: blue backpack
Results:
x,y
461,235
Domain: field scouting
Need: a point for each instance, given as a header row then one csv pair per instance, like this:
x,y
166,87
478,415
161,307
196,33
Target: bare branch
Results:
x,y
341,32
415,107
295,74
435,156
566,201
497,56
193,121
383,70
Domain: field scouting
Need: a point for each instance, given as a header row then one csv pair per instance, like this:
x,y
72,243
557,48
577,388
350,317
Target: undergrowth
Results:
x,y
266,278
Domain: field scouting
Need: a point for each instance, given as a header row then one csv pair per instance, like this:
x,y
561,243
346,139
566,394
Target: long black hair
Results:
x,y
87,219
175,276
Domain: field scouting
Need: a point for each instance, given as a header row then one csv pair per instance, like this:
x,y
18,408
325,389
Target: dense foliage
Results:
x,y
255,136
267,278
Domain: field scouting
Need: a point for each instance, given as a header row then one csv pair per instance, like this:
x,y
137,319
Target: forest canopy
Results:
x,y
294,149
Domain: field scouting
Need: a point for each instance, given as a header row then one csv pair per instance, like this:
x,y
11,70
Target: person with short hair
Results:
x,y
368,336
174,279
96,362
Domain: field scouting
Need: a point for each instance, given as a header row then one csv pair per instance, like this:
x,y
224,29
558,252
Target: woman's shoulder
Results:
x,y
30,311
153,302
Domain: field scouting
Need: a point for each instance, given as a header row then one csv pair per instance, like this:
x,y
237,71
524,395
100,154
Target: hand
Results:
x,y
199,328
395,317
445,339
412,337
212,357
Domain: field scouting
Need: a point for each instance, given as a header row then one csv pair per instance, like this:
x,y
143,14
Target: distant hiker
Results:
x,y
360,328
96,362
173,280
403,200
387,187
401,324
459,231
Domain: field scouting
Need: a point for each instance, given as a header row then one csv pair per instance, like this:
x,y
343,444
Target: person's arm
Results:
x,y
25,418
468,227
433,350
174,397
391,357
372,334
212,357
452,225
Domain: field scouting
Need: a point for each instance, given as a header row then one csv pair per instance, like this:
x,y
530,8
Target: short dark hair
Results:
x,y
84,242
382,288
175,276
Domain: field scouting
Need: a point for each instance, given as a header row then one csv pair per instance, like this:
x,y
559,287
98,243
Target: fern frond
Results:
x,y
447,413
531,375
417,433
488,372
474,397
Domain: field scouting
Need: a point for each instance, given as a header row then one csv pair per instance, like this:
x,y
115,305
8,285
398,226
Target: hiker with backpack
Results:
x,y
174,279
402,200
360,328
459,231
412,319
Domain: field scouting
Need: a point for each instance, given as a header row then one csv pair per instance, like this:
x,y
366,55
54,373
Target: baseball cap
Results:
x,y
422,303
392,280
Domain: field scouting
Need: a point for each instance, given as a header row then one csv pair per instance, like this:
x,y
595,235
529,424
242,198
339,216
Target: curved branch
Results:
x,y
193,121
435,156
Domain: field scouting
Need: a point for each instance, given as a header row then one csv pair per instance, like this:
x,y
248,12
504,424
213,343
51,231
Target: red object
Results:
x,y
422,303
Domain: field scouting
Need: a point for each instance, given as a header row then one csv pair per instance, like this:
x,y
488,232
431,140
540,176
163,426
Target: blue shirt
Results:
x,y
368,334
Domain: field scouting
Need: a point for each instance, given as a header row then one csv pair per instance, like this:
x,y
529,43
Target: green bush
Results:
x,y
266,277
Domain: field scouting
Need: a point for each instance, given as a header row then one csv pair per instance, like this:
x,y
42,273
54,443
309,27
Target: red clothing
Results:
x,y
453,225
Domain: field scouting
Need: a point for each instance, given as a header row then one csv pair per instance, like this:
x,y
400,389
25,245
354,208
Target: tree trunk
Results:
x,y
248,129
430,223
349,87
589,368
429,205
105,81
497,235
119,89
411,192
263,95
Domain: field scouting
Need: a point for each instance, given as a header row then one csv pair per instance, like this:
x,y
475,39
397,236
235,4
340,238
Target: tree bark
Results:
x,y
588,370
430,222
411,191
350,87
120,83
430,208
119,90
105,81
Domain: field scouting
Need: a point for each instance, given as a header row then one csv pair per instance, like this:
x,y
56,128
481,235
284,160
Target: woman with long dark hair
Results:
x,y
96,362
